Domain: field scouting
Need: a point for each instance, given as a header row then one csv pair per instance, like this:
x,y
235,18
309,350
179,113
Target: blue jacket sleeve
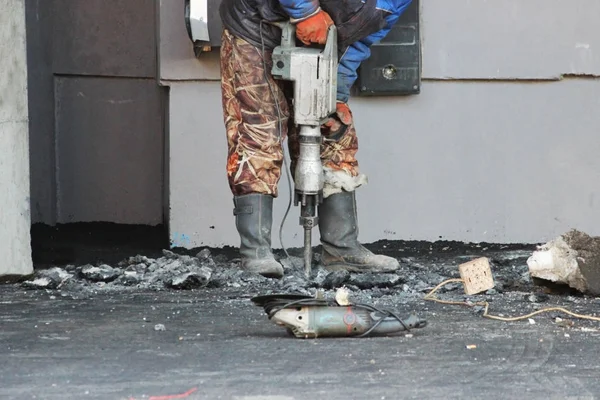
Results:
x,y
300,9
359,51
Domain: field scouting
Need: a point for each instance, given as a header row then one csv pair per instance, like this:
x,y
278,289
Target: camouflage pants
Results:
x,y
255,152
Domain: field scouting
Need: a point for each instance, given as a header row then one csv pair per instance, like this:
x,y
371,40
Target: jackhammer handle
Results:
x,y
331,46
288,37
288,33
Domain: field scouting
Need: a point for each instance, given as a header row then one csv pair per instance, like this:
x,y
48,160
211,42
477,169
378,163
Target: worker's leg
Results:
x,y
338,220
255,152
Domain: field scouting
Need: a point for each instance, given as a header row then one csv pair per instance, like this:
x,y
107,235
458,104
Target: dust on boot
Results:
x,y
253,220
338,224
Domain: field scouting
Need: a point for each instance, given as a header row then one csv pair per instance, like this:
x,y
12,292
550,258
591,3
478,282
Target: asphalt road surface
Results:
x,y
217,346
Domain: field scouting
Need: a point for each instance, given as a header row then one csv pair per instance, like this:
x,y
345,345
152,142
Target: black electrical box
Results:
x,y
394,67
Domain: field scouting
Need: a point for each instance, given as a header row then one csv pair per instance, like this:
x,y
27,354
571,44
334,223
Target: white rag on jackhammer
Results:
x,y
336,181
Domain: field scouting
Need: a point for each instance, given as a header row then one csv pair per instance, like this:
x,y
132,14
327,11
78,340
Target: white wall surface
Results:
x,y
495,162
496,148
461,39
510,39
15,248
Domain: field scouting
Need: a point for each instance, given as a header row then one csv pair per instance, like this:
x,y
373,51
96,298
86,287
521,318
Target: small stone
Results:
x,y
187,260
139,259
531,321
219,278
478,309
204,254
220,259
173,267
336,279
129,278
525,278
342,296
532,298
369,281
421,286
450,287
491,292
197,278
564,323
538,298
318,279
103,273
71,285
159,327
39,283
137,268
542,297
170,255
293,284
48,279
254,278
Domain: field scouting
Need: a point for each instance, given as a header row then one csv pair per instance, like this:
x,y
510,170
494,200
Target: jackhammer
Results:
x,y
314,73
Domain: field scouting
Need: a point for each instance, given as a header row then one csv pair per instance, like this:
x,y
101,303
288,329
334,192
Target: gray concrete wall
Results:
x,y
470,159
97,111
15,248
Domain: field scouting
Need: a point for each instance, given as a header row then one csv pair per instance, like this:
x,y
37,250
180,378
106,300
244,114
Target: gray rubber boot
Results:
x,y
253,220
338,224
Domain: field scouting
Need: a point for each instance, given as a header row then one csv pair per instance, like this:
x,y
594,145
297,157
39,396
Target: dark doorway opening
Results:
x,y
93,243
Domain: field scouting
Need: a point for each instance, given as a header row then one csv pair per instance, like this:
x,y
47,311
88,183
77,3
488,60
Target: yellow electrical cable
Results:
x,y
429,297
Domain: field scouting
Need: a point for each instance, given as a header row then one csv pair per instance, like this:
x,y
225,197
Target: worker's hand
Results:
x,y
343,116
314,28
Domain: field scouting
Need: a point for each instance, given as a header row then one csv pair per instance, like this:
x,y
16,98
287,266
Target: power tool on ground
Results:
x,y
314,74
313,317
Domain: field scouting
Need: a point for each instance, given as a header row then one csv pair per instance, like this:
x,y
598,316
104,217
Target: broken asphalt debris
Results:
x,y
422,268
417,275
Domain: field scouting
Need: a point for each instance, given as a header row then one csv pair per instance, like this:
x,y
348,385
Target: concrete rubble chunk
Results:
x,y
48,279
170,254
319,277
196,278
572,259
129,278
102,273
204,254
171,271
369,281
336,279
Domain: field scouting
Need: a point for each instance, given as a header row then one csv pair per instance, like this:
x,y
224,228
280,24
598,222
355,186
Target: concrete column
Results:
x,y
15,243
